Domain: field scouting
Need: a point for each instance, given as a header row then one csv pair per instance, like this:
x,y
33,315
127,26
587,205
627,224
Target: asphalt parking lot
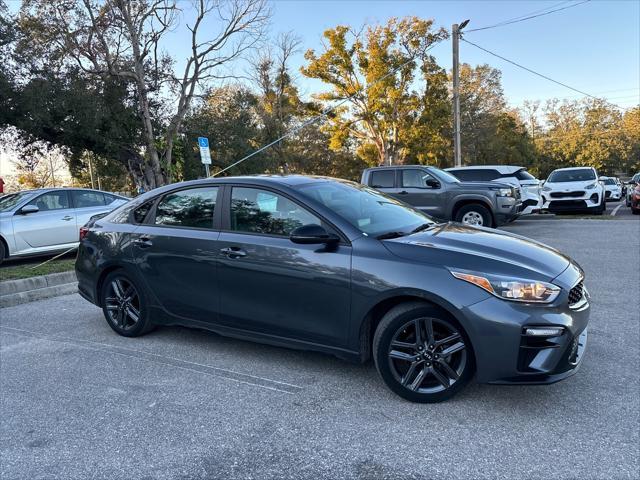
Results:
x,y
80,402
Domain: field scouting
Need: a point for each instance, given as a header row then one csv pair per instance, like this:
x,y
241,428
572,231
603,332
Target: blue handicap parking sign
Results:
x,y
203,142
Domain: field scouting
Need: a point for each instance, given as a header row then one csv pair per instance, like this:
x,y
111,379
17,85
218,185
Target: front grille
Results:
x,y
576,294
577,193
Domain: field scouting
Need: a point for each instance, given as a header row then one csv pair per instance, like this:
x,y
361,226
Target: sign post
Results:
x,y
205,153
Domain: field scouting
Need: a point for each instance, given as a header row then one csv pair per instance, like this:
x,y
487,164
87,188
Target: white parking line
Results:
x,y
615,210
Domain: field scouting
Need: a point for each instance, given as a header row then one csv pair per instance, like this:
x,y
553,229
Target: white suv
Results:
x,y
574,189
612,189
527,184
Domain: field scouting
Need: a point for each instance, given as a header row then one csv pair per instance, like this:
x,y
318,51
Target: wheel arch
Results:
x,y
373,316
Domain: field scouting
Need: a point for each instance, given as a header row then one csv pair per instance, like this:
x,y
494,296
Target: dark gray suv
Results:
x,y
443,196
334,266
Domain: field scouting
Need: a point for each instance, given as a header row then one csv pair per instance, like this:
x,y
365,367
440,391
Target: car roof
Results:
x,y
267,179
573,168
500,168
56,189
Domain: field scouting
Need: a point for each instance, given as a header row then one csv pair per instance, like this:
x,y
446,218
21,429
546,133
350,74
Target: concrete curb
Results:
x,y
537,216
15,292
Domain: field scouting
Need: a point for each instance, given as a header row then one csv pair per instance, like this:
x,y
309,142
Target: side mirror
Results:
x,y
312,234
433,183
27,209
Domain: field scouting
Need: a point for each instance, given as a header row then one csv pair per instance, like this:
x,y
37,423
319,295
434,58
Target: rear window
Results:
x,y
475,174
382,179
524,175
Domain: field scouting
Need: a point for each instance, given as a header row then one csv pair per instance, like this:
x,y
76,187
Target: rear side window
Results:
x,y
85,199
382,179
524,175
261,211
191,208
109,199
140,213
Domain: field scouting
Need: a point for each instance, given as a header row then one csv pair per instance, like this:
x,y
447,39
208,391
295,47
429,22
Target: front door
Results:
x,y
176,253
415,191
54,224
271,285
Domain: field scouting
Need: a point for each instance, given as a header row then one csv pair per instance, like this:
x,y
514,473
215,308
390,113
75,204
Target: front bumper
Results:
x,y
508,209
506,355
569,204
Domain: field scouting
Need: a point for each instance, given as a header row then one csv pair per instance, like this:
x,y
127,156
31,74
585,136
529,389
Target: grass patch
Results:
x,y
14,272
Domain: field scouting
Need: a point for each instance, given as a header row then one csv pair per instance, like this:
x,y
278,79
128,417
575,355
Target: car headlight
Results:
x,y
591,187
504,192
514,289
546,189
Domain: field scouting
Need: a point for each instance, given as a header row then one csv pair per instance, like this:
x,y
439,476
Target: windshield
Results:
x,y
524,175
369,211
577,175
442,175
609,181
9,201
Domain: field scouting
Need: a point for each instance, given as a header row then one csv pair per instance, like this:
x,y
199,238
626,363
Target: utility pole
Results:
x,y
455,33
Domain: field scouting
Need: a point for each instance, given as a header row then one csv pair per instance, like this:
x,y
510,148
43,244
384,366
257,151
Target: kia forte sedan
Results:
x,y
328,265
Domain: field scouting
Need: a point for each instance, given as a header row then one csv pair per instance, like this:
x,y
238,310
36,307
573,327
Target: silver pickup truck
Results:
x,y
444,197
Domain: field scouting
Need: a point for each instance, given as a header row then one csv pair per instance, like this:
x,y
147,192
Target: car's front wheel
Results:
x,y
421,354
474,214
124,305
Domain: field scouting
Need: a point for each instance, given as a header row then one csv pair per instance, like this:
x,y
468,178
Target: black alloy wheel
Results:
x,y
124,306
422,355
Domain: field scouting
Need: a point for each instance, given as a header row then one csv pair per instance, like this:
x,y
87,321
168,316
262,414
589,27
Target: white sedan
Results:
x,y
34,222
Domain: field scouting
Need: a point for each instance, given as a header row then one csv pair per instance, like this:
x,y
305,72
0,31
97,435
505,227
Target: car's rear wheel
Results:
x,y
124,305
475,215
2,252
421,354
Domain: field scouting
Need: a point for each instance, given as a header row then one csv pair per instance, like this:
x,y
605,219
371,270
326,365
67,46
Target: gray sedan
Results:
x,y
34,222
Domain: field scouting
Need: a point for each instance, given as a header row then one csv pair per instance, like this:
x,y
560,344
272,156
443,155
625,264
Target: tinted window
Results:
x,y
86,198
371,212
108,199
51,201
476,175
577,175
415,178
261,211
382,179
188,208
609,181
140,213
524,175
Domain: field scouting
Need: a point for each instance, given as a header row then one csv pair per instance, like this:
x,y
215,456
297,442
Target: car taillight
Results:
x,y
83,232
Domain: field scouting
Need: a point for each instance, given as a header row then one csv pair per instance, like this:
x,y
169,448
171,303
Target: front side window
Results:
x,y
192,208
86,199
371,212
382,179
51,201
261,211
415,178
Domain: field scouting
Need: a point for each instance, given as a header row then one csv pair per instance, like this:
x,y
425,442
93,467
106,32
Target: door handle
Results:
x,y
67,218
143,242
403,192
233,252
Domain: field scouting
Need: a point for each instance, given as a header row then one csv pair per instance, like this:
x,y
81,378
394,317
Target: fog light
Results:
x,y
543,331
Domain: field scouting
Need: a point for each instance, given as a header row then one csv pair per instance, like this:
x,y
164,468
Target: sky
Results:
x,y
593,47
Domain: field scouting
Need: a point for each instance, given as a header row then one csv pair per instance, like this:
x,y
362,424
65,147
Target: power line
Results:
x,y
528,16
324,113
540,74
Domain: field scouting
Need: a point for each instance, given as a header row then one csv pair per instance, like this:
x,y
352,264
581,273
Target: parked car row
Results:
x,y
34,222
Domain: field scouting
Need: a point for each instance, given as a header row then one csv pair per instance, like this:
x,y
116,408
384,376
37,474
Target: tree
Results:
x,y
120,40
373,72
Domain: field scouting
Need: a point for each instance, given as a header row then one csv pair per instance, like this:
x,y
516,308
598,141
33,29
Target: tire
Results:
x,y
635,211
475,214
422,371
2,252
122,308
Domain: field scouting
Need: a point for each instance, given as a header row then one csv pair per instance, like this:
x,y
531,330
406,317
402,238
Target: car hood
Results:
x,y
482,185
480,250
569,186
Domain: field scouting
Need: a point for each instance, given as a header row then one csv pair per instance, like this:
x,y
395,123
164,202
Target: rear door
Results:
x,y
52,225
87,203
176,250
